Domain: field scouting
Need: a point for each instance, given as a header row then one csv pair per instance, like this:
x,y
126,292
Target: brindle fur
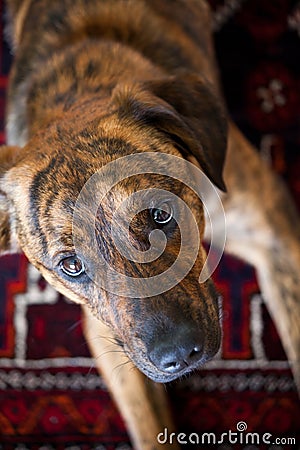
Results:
x,y
94,80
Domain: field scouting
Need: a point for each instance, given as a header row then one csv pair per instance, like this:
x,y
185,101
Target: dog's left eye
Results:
x,y
72,266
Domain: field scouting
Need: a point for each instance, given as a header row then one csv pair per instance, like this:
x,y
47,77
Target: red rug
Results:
x,y
50,395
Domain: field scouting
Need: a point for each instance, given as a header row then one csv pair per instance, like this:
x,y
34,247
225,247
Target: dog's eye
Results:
x,y
162,215
72,266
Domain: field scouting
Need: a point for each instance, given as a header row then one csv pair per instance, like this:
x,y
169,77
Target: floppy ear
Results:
x,y
7,233
187,110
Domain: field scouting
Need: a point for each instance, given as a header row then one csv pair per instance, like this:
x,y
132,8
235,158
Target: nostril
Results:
x,y
168,359
195,352
172,367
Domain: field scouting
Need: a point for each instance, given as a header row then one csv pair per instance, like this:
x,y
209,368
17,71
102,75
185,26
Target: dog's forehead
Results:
x,y
72,159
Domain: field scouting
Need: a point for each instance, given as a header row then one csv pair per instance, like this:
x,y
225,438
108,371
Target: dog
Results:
x,y
98,84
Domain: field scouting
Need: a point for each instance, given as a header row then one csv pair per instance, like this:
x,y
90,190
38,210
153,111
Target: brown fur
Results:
x,y
96,80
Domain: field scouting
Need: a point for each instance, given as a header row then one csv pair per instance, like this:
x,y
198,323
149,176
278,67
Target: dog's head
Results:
x,y
174,327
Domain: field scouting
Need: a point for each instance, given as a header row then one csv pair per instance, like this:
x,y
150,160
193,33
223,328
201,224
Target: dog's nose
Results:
x,y
176,352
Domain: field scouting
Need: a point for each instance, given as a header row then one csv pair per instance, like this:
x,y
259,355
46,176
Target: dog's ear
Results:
x,y
187,110
8,239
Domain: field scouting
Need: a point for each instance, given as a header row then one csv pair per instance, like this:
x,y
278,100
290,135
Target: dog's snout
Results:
x,y
177,352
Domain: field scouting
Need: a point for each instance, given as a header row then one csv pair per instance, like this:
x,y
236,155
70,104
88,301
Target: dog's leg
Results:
x,y
142,403
263,228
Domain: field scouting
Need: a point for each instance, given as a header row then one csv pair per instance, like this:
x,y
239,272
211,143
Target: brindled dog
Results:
x,y
94,81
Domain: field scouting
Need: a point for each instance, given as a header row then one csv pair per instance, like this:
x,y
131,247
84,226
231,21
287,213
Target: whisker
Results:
x,y
112,340
73,326
119,366
109,351
92,367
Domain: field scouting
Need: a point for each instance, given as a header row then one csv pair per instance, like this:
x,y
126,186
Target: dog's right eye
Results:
x,y
72,266
162,215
